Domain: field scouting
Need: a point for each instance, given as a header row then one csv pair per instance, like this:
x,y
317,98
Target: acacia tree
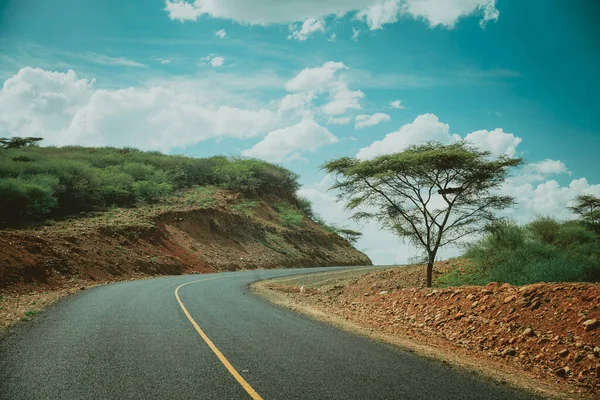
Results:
x,y
588,208
431,194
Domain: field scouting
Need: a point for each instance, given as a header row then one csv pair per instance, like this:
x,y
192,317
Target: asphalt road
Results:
x,y
133,340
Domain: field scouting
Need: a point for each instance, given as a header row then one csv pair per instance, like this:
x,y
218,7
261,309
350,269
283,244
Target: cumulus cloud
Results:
x,y
325,78
217,61
221,33
286,144
397,104
376,13
364,120
163,60
496,142
342,99
427,127
65,109
309,27
314,79
355,33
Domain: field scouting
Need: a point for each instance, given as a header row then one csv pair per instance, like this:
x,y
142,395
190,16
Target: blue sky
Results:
x,y
299,82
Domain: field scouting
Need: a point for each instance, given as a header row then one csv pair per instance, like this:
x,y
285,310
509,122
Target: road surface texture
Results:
x,y
214,340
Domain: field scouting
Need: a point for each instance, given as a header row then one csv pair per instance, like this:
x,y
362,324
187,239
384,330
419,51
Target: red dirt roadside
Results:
x,y
546,332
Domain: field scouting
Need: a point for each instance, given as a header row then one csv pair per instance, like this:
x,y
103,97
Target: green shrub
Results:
x,y
96,178
23,198
246,207
150,192
288,215
543,251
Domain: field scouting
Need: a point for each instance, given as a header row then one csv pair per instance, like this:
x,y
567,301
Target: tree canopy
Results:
x,y
588,208
431,194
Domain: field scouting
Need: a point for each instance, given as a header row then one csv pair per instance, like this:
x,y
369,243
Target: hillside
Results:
x,y
96,214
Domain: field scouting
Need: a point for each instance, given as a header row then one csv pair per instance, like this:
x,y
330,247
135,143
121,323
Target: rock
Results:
x,y
509,352
367,294
383,292
491,285
505,286
82,288
459,315
580,356
475,304
597,351
563,353
563,372
597,368
528,332
528,290
590,324
509,299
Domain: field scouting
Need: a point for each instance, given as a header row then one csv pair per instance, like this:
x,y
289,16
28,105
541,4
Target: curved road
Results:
x,y
133,340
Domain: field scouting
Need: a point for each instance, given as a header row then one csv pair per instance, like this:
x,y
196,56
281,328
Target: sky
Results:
x,y
299,82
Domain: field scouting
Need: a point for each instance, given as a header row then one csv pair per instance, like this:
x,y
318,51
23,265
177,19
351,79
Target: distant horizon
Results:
x,y
308,81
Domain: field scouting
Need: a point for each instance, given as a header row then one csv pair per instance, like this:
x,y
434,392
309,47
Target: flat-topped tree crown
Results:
x,y
432,194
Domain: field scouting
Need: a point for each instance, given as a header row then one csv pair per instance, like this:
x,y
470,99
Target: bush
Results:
x,y
96,178
288,215
150,192
26,198
542,251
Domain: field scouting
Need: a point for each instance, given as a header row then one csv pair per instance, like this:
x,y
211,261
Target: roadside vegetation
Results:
x,y
544,250
37,183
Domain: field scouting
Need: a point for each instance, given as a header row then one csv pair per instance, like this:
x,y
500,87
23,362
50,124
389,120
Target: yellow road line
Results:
x,y
212,346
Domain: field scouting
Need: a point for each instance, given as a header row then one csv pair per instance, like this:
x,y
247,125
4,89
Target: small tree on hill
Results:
x,y
431,194
19,142
588,208
349,234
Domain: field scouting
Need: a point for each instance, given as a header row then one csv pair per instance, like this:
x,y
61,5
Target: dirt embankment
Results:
x,y
216,233
545,336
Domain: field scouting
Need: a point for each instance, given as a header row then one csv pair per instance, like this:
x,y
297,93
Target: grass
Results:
x,y
245,207
289,215
28,316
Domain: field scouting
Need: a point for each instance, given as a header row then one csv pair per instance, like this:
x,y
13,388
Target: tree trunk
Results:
x,y
429,273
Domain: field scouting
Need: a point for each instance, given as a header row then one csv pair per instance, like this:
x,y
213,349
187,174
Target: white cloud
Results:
x,y
497,141
447,12
163,60
332,38
375,13
64,109
324,78
221,33
338,120
397,104
286,144
297,102
314,79
355,33
379,14
342,99
217,61
364,120
309,27
106,60
427,127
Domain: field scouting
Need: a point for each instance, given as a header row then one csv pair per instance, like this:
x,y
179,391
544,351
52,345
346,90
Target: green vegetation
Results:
x,y
544,250
289,215
37,183
430,194
246,207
